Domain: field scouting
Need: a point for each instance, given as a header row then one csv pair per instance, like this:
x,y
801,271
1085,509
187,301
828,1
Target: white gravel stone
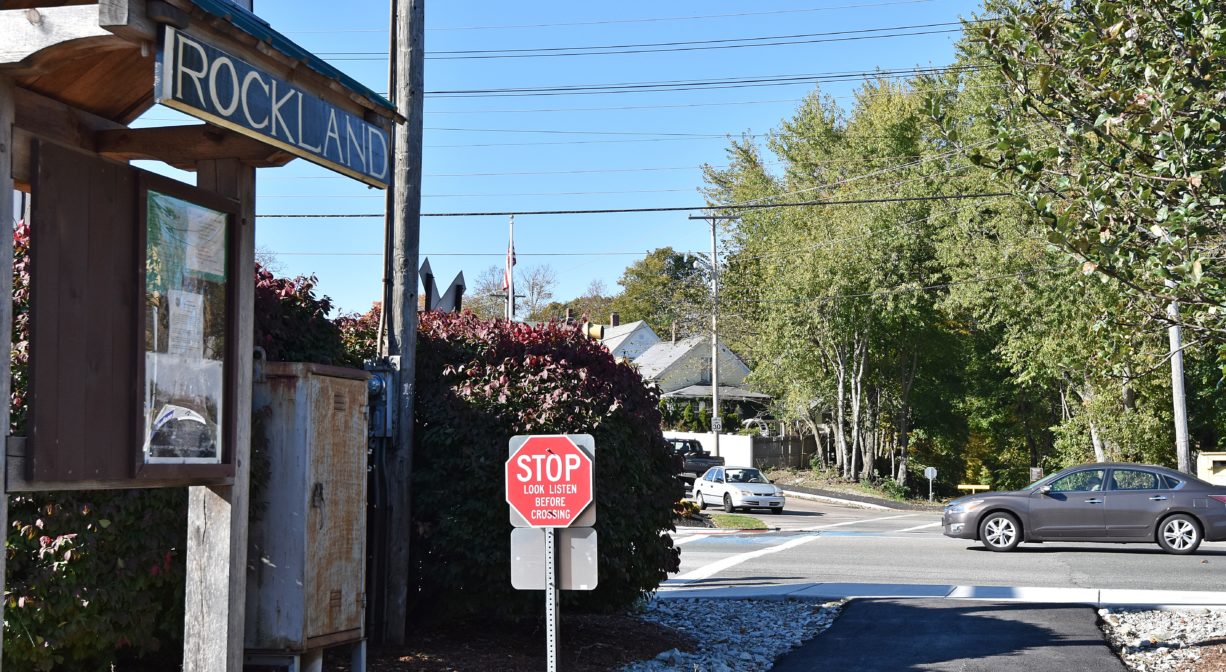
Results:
x,y
741,635
1161,641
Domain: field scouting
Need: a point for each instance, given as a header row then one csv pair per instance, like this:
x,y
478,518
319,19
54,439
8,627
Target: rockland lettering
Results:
x,y
206,82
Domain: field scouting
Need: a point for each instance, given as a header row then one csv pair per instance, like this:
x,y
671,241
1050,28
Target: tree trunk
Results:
x,y
1100,453
904,418
840,438
857,390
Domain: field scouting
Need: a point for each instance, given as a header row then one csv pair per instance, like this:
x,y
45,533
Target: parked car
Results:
x,y
1102,502
737,488
694,460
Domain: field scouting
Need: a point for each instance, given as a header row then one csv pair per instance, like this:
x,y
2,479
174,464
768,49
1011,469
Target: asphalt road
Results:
x,y
956,636
829,543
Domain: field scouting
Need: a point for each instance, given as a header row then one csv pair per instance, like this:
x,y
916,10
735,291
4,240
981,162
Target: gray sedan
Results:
x,y
1103,502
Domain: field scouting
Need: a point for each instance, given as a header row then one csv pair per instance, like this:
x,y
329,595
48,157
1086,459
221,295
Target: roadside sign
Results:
x,y
717,424
577,553
930,473
549,485
548,480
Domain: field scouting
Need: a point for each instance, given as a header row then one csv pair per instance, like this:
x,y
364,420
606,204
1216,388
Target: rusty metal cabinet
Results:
x,y
306,563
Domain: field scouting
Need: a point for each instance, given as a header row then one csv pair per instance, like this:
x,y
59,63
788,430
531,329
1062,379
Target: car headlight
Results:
x,y
963,507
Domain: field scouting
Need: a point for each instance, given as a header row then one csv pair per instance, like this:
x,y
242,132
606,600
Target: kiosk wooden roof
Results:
x,y
85,71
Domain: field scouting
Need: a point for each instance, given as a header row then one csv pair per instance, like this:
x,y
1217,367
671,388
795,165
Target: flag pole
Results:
x,y
510,278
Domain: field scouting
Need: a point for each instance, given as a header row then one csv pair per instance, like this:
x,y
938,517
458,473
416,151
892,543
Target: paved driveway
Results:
x,y
895,636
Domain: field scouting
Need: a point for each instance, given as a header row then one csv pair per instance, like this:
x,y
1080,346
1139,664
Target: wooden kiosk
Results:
x,y
142,288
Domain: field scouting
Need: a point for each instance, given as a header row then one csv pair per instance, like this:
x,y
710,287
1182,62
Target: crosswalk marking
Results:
x,y
920,527
855,522
686,540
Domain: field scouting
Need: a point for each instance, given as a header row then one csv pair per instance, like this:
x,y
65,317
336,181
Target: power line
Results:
x,y
681,18
699,84
663,47
615,211
606,22
468,254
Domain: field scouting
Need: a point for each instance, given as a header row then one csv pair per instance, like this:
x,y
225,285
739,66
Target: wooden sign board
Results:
x,y
199,79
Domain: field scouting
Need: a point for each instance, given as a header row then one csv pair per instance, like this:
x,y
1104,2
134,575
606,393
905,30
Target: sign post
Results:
x,y
930,473
549,485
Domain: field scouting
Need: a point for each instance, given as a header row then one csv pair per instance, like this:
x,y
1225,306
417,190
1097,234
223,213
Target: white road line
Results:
x,y
855,522
732,561
919,527
686,540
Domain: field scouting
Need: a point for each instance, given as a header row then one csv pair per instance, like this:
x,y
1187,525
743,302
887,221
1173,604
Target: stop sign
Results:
x,y
549,481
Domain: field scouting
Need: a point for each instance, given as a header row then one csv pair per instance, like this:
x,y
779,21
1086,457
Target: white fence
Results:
x,y
754,451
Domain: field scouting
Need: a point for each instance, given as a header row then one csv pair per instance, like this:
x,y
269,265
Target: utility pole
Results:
x,y
716,420
406,79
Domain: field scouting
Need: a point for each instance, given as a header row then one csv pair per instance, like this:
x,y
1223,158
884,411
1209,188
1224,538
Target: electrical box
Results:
x,y
306,571
1211,467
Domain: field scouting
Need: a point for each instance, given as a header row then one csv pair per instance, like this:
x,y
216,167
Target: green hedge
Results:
x,y
479,383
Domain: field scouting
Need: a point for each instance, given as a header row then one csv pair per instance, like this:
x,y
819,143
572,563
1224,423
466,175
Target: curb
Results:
x,y
1168,600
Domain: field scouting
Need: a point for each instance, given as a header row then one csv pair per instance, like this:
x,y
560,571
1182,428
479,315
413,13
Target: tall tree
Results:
x,y
665,288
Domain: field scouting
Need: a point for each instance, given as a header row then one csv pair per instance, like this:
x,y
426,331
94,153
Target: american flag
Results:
x,y
506,275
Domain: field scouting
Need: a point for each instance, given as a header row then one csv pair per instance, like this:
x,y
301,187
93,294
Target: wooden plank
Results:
x,y
29,31
7,118
15,475
217,516
184,146
52,120
127,18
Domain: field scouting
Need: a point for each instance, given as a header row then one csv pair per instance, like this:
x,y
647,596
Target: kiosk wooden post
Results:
x,y
217,515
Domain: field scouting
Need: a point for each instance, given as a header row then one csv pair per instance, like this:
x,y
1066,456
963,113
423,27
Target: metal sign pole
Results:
x,y
551,601
930,489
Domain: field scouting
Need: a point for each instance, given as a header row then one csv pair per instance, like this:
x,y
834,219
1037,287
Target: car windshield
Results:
x,y
746,476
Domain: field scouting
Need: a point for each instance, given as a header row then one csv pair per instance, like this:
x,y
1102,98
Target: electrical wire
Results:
x,y
665,47
618,211
700,84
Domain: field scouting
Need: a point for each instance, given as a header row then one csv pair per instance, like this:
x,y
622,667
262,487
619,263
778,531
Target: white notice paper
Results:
x,y
186,323
206,242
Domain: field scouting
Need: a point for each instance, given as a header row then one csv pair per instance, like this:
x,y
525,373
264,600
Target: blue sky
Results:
x,y
625,150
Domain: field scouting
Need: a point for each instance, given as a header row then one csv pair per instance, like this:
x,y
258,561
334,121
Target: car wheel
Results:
x,y
1179,534
702,503
777,511
728,507
1000,532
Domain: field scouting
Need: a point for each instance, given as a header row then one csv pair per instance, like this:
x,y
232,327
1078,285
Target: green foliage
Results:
x,y
360,335
481,382
1116,138
93,578
666,288
292,324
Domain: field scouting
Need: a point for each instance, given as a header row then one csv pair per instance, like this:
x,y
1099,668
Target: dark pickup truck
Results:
x,y
694,460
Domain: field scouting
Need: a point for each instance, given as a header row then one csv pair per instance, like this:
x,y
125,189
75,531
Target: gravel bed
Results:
x,y
733,634
1166,641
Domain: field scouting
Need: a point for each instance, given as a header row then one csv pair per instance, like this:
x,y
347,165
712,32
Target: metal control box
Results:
x,y
307,558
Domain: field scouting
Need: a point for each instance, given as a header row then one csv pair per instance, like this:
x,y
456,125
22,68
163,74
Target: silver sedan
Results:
x,y
738,488
1102,502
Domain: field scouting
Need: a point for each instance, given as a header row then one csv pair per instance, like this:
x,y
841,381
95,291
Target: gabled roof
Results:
x,y
615,336
726,392
664,354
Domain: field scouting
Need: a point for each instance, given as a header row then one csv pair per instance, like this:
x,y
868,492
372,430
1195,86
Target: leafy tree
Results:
x,y
665,288
1125,169
537,284
487,299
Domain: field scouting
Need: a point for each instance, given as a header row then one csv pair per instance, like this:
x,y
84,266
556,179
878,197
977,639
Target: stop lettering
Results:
x,y
549,481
